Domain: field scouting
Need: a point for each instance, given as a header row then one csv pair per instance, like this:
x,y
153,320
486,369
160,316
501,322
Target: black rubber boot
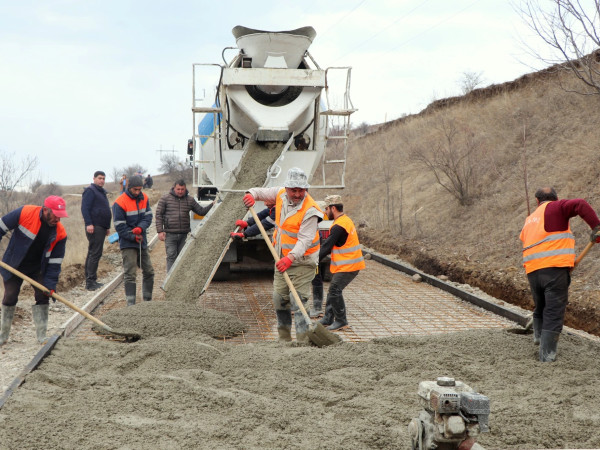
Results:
x,y
284,324
130,289
338,307
40,318
328,316
537,330
8,313
548,345
316,311
147,286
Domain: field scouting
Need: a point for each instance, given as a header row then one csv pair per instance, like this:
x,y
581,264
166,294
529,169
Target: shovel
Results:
x,y
584,252
316,333
129,335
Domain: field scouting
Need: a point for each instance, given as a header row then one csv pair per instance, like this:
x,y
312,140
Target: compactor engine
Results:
x,y
452,418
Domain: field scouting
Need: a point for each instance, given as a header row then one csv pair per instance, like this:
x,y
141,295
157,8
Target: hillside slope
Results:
x,y
520,135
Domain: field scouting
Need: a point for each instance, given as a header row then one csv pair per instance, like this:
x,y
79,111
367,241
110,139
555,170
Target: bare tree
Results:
x,y
454,160
169,163
470,81
13,175
570,30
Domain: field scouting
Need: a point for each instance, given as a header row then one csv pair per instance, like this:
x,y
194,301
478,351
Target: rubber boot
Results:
x,y
40,318
130,289
548,345
8,313
301,326
147,285
284,325
339,312
537,330
316,310
328,316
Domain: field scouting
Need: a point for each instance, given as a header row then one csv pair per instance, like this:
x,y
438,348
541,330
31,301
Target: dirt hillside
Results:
x,y
505,141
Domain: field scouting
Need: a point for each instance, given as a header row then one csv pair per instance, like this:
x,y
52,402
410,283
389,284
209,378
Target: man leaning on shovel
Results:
x,y
36,248
296,240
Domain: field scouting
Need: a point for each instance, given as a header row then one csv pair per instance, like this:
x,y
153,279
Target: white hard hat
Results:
x,y
296,178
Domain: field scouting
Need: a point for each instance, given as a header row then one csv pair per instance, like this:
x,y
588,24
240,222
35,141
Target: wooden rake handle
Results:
x,y
285,274
55,295
584,252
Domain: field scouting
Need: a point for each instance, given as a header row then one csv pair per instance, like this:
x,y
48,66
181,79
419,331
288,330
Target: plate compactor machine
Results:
x,y
453,416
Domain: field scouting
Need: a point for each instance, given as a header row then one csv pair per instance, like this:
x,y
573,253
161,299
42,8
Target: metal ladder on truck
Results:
x,y
340,133
199,139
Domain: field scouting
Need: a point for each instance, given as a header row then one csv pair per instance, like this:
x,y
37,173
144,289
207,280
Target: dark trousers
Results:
x,y
174,243
95,247
335,300
12,288
550,290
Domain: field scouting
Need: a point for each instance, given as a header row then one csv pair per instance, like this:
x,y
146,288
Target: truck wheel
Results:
x,y
223,272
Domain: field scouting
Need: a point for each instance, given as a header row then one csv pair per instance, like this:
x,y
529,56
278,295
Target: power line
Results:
x,y
384,29
342,18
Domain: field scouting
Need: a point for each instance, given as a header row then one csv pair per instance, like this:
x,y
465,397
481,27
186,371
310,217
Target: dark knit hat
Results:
x,y
136,181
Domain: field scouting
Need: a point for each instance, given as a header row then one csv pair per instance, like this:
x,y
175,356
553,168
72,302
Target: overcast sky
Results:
x,y
102,84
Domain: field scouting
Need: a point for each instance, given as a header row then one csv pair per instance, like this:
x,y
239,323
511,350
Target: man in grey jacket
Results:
x,y
173,219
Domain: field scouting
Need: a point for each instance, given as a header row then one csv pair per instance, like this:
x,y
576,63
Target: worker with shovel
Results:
x,y
132,216
346,261
296,242
36,248
548,258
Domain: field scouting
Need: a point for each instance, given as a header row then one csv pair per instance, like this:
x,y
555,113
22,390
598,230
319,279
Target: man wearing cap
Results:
x,y
132,216
296,241
36,249
346,261
95,210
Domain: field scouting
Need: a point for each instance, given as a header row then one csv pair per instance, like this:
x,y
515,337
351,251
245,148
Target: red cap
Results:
x,y
57,205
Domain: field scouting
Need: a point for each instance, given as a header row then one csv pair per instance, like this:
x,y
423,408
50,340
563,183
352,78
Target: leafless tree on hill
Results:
x,y
470,81
454,159
571,30
13,175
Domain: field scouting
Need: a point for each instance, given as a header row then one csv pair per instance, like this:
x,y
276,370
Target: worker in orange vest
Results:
x,y
296,241
346,261
548,258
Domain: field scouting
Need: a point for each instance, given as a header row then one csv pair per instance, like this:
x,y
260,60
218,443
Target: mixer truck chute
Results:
x,y
271,92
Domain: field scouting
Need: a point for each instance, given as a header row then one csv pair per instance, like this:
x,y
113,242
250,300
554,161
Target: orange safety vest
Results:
x,y
30,223
542,249
348,257
290,227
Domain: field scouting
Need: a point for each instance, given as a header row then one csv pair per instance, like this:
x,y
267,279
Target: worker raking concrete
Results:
x,y
36,249
548,257
296,240
346,261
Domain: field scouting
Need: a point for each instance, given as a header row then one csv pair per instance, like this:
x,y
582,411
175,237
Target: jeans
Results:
x,y
174,243
335,300
550,290
95,247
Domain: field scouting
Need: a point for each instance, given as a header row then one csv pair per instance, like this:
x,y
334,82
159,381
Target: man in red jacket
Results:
x,y
36,249
548,258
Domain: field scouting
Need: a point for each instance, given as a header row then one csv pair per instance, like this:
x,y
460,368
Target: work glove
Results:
x,y
237,235
137,230
49,294
248,200
283,264
241,223
594,236
138,238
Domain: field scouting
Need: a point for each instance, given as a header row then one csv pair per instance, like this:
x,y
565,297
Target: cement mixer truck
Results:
x,y
271,91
